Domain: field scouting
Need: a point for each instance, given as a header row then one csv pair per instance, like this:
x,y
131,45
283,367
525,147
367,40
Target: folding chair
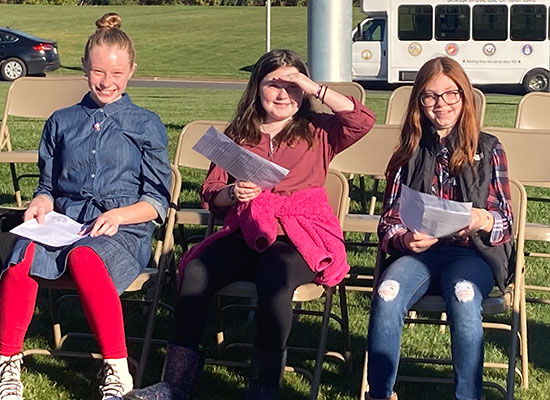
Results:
x,y
532,111
151,281
35,98
337,189
527,154
186,157
399,101
512,302
369,156
352,89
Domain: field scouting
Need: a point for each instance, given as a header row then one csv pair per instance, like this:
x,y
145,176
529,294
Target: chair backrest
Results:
x,y
190,134
399,101
532,111
370,155
352,89
38,98
527,154
337,189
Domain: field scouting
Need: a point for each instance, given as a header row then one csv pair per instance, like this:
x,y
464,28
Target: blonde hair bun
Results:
x,y
109,21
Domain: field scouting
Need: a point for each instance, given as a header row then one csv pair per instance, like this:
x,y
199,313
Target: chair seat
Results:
x,y
20,156
192,216
361,223
491,305
535,231
65,282
306,292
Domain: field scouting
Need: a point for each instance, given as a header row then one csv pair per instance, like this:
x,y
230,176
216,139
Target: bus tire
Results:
x,y
536,80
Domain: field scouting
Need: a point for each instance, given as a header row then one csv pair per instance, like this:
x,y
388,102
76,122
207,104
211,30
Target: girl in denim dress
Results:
x,y
102,162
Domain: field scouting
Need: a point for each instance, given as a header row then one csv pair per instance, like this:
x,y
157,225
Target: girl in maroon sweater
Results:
x,y
273,119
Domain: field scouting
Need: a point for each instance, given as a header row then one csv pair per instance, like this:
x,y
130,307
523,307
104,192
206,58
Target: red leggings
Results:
x,y
99,297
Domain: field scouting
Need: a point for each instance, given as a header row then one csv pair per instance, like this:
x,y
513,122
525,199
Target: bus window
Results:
x,y
414,22
452,22
528,22
490,22
373,30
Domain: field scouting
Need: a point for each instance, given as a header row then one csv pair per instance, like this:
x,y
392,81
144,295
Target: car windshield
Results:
x,y
24,34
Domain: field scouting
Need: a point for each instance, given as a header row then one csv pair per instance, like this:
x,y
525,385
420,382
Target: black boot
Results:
x,y
266,371
181,368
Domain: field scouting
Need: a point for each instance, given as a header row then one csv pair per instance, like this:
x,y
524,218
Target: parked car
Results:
x,y
24,54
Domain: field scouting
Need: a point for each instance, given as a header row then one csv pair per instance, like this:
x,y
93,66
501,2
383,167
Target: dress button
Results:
x,y
93,151
93,175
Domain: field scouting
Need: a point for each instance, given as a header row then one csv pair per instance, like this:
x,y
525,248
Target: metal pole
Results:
x,y
268,25
329,39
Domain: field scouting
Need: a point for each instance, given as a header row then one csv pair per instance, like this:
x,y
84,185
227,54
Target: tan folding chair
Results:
x,y
188,158
337,189
399,101
369,156
35,98
151,282
532,111
512,304
352,89
527,154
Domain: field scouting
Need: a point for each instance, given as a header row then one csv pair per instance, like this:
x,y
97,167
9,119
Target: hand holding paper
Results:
x,y
58,230
432,215
239,162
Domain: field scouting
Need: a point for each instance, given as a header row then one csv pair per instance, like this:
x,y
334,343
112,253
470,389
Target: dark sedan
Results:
x,y
24,54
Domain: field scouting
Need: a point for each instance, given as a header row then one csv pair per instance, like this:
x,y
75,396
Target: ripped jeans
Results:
x,y
463,279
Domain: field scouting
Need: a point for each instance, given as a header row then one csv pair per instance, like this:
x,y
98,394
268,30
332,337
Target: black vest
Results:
x,y
418,174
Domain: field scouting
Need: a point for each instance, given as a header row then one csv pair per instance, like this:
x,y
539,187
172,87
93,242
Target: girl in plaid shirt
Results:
x,y
442,152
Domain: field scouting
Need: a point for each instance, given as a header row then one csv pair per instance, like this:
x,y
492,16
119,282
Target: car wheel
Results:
x,y
536,80
12,69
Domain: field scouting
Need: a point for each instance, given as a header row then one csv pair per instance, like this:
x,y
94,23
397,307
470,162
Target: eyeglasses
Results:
x,y
450,97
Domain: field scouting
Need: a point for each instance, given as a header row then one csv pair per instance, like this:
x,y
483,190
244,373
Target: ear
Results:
x,y
84,65
133,69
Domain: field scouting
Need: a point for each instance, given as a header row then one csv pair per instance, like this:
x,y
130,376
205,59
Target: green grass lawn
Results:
x,y
178,41
219,42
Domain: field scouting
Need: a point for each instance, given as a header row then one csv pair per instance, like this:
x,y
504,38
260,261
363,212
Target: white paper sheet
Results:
x,y
432,215
57,230
239,162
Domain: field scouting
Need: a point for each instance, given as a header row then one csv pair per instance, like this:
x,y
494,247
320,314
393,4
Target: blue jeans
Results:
x,y
464,279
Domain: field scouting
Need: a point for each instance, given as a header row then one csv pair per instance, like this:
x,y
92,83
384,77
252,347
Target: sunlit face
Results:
x,y
443,116
108,69
280,99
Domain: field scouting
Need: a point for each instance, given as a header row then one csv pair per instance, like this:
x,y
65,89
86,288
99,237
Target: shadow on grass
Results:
x,y
72,68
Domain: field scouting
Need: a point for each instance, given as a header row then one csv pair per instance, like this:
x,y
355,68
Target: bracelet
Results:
x,y
319,89
231,193
324,94
487,221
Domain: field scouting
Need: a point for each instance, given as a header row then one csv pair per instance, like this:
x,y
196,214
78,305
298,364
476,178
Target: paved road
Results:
x,y
188,83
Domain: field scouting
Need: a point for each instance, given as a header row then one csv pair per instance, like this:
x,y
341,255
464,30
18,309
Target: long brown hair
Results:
x,y
108,33
467,125
245,126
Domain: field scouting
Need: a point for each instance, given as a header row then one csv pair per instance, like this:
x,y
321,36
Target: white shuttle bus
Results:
x,y
495,41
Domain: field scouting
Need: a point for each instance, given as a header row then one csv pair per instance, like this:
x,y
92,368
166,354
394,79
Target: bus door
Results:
x,y
370,50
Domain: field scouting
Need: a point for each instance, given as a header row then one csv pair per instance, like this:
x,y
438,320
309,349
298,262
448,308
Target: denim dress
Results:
x,y
93,159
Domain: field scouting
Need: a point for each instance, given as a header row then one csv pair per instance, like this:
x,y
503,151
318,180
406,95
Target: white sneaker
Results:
x,y
116,379
11,387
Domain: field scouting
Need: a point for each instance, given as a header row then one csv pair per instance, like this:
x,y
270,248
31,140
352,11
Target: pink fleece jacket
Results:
x,y
308,221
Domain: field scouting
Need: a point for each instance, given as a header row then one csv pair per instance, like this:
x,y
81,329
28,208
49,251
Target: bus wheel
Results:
x,y
536,80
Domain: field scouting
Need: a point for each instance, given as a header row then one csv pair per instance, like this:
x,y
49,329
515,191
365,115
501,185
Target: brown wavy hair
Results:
x,y
245,126
108,33
467,124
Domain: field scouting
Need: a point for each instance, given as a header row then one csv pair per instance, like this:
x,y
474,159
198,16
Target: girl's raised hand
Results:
x,y
302,81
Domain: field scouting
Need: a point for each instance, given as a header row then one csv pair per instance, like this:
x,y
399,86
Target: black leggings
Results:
x,y
277,272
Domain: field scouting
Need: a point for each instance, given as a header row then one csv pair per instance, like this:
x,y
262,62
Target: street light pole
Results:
x,y
268,25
